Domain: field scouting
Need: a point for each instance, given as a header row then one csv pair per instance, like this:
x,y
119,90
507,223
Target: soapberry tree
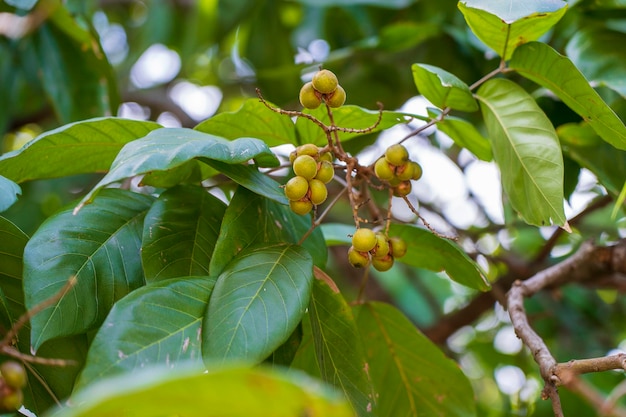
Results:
x,y
275,258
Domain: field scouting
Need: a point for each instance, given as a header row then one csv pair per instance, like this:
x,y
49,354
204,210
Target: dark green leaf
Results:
x,y
252,120
8,193
464,134
404,35
391,4
191,392
505,25
339,348
180,232
404,361
543,65
442,88
257,302
100,246
526,149
12,243
159,324
76,148
22,4
428,251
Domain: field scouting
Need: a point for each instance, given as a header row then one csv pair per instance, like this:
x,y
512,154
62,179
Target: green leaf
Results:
x,y
8,193
464,134
100,247
442,88
391,4
22,4
339,348
505,25
526,149
337,234
159,324
257,302
166,149
404,35
191,392
593,52
179,233
428,251
404,361
260,122
76,148
251,219
542,64
12,243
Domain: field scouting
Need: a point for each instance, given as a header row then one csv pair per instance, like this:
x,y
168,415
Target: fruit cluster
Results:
x,y
397,169
375,247
12,381
323,87
313,169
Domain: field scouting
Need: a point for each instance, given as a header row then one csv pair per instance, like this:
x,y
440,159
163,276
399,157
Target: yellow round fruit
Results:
x,y
309,98
402,189
337,97
417,171
382,169
405,171
301,207
398,246
327,156
325,81
396,154
12,401
305,166
296,188
358,259
383,264
382,246
13,374
308,149
318,192
364,240
325,172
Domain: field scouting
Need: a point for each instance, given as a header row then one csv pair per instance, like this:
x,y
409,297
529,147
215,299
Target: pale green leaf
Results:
x,y
464,134
8,193
442,88
527,151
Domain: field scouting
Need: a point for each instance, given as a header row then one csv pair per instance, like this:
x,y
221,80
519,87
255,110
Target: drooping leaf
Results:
x,y
159,324
428,251
251,219
442,88
100,246
252,120
505,25
257,302
527,151
593,52
8,193
166,149
189,391
76,148
339,349
542,64
464,134
405,362
180,232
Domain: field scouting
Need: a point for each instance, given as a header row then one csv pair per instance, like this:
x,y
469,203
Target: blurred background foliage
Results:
x,y
181,61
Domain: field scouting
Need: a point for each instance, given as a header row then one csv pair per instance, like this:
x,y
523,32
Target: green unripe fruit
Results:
x,y
417,171
12,401
383,264
327,156
398,247
325,172
14,374
364,240
396,154
337,97
358,259
309,97
318,192
301,207
403,189
382,169
382,246
296,188
305,166
324,81
405,171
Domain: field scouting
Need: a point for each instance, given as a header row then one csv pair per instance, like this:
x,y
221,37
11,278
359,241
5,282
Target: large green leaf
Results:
x,y
8,193
428,251
100,246
403,361
505,25
12,243
543,65
251,219
526,149
464,134
339,349
257,302
156,324
180,232
442,88
252,120
76,148
166,149
593,52
191,392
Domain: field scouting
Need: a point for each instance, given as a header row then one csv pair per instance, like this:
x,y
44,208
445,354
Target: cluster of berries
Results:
x,y
375,248
12,381
323,87
313,169
397,169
